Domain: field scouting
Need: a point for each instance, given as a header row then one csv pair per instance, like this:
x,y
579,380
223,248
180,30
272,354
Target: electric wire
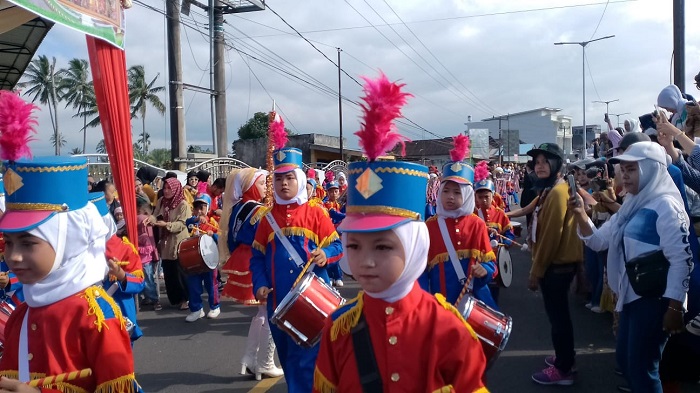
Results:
x,y
599,20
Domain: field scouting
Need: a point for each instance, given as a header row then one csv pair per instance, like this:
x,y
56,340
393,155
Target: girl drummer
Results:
x,y
309,236
394,336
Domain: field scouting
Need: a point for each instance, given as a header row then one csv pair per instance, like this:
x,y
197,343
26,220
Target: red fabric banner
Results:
x,y
108,65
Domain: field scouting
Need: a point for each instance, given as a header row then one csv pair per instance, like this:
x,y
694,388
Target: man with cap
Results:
x,y
556,253
290,235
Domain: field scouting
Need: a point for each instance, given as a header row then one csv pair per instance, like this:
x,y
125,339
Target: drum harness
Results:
x,y
285,242
453,254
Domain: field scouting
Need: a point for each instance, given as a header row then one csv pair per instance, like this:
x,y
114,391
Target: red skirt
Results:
x,y
239,284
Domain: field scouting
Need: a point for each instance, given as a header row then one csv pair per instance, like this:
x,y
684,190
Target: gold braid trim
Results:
x,y
258,246
445,389
329,239
65,387
35,206
259,214
50,168
295,231
137,273
447,306
348,319
321,383
126,241
402,171
481,390
14,374
392,211
124,384
91,294
462,254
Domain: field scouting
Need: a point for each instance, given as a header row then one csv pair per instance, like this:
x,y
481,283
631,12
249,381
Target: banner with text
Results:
x,y
103,19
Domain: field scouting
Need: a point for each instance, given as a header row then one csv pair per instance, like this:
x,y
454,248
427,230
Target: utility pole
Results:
x,y
175,97
340,109
607,104
618,116
219,66
679,44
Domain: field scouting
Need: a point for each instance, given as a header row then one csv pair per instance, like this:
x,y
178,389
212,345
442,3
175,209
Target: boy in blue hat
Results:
x,y
309,235
394,336
201,223
55,244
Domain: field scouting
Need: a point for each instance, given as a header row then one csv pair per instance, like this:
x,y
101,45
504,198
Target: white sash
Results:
x,y
452,252
23,367
285,242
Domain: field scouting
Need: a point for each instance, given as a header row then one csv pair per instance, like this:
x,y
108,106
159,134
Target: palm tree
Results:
x,y
101,148
141,93
76,89
58,141
139,144
159,157
42,80
76,150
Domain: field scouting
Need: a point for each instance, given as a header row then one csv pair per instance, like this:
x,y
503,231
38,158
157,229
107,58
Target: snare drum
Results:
x,y
303,312
517,228
5,310
492,327
198,254
505,267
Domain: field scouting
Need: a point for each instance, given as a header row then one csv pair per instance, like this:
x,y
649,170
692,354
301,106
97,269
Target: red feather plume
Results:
x,y
481,171
461,149
381,106
277,132
16,126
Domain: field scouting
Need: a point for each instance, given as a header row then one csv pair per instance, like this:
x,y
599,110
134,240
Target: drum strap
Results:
x,y
451,251
367,367
242,216
23,351
285,242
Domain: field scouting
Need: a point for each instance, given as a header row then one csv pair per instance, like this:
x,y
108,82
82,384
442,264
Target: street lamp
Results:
x,y
583,47
607,104
618,116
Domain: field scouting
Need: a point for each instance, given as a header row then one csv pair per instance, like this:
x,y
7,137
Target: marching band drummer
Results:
x,y
393,336
289,234
125,279
460,246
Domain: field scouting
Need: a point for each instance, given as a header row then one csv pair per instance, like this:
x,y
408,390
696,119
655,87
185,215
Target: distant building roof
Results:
x,y
504,117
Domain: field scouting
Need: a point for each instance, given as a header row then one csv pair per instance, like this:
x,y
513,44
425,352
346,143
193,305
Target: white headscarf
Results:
x,y
111,226
239,188
341,174
2,203
633,124
416,242
671,97
302,197
467,202
78,238
321,176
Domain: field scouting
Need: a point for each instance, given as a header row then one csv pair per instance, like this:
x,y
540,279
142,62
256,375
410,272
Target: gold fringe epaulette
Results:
x,y
137,273
481,390
431,218
126,241
259,246
349,319
63,387
463,254
259,214
125,384
297,231
91,295
329,239
321,383
445,389
447,306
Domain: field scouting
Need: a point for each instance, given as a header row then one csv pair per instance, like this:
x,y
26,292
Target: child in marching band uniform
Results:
x,y
10,287
125,278
240,205
201,223
337,214
455,227
394,336
310,235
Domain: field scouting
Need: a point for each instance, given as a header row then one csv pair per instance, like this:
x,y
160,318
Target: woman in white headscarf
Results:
x,y
672,100
468,236
651,225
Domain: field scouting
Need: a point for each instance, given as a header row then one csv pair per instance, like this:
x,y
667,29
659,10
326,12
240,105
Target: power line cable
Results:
x,y
599,20
595,88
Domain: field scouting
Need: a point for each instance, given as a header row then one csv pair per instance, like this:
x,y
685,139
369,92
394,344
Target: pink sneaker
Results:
x,y
552,376
549,360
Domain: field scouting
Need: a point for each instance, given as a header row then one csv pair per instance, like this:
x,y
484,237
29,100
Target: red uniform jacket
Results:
x,y
420,342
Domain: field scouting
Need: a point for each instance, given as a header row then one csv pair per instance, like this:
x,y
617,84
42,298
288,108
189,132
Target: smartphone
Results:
x,y
572,185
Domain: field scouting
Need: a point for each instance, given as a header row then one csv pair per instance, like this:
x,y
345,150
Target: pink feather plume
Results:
x,y
461,149
481,171
277,132
381,106
16,126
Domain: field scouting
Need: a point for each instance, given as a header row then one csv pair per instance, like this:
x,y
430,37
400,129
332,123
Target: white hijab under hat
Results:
x,y
416,242
467,202
78,238
302,197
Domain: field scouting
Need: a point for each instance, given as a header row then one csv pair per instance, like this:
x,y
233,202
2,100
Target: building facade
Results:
x,y
315,148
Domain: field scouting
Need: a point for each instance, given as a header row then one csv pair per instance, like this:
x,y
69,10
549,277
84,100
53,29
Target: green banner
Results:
x,y
103,19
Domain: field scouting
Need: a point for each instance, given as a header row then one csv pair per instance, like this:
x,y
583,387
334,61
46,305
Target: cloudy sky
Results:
x,y
459,58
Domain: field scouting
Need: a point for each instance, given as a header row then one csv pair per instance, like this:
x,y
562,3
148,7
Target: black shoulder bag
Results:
x,y
367,368
647,273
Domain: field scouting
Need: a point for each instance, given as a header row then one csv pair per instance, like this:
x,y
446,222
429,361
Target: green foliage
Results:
x,y
257,127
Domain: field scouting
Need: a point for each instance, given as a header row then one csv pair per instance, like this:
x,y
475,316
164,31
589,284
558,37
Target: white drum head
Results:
x,y
505,267
209,251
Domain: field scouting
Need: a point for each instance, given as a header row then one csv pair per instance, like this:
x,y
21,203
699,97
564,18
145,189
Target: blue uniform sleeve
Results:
x,y
132,285
259,270
334,251
336,216
490,269
194,220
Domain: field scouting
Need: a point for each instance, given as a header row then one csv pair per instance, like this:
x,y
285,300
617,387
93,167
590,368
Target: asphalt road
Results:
x,y
175,356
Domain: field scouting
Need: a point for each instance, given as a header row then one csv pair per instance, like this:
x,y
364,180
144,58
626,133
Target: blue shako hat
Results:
x,y
37,189
98,199
485,184
384,194
287,159
458,172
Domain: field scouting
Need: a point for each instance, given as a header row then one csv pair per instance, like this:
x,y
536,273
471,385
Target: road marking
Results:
x,y
264,385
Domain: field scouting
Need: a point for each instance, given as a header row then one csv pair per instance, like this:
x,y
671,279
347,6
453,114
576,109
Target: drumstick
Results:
x,y
466,285
86,372
303,271
512,241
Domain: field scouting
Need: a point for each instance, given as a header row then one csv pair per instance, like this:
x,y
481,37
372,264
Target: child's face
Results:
x,y
484,199
452,198
109,192
341,181
376,259
309,190
193,181
29,257
333,194
119,216
200,209
261,184
286,185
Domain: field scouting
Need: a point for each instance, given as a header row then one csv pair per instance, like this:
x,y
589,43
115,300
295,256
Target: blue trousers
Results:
x,y
640,342
594,273
334,271
150,290
297,362
196,283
